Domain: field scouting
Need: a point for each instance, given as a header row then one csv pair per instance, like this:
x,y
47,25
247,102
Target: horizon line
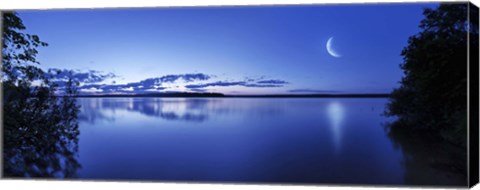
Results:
x,y
214,94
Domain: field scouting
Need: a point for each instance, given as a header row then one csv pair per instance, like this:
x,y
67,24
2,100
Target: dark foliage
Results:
x,y
40,130
433,94
431,103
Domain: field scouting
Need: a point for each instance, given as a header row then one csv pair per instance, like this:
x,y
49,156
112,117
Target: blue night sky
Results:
x,y
232,50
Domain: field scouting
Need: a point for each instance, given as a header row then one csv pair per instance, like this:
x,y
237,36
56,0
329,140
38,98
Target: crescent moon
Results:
x,y
330,49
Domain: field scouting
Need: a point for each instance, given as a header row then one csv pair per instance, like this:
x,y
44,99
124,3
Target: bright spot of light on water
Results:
x,y
336,115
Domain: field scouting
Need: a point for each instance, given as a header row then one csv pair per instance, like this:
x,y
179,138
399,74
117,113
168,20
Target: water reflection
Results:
x,y
428,160
173,109
238,140
169,109
269,140
335,114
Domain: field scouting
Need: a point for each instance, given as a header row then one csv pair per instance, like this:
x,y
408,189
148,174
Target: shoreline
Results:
x,y
238,96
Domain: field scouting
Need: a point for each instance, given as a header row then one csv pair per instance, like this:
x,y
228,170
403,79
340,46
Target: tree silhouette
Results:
x,y
431,103
40,129
433,94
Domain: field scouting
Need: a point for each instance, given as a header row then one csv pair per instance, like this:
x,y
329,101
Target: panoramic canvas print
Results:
x,y
351,94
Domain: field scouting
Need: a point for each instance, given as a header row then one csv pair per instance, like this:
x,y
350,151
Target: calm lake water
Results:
x,y
256,140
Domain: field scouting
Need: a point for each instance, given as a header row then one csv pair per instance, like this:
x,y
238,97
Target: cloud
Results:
x,y
60,76
121,88
191,77
306,90
148,85
219,83
91,90
247,83
156,83
263,85
94,82
198,90
272,82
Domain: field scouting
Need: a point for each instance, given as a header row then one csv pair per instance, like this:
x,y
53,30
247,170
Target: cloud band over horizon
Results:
x,y
93,82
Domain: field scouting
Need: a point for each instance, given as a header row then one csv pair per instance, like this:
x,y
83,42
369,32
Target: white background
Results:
x,y
61,185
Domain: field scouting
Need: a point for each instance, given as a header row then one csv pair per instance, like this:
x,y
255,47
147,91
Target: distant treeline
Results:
x,y
314,96
188,94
